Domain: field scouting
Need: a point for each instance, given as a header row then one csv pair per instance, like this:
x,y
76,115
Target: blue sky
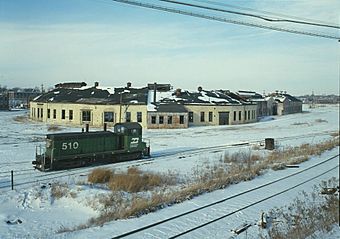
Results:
x,y
47,42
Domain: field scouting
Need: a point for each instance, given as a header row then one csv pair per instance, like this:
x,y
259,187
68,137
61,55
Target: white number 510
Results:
x,y
70,145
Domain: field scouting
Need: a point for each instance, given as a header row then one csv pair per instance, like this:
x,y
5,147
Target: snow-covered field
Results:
x,y
178,151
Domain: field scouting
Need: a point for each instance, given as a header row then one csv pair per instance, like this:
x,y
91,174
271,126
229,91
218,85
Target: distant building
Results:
x,y
286,104
154,106
4,102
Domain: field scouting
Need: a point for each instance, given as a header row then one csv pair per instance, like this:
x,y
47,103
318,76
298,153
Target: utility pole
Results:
x,y
120,107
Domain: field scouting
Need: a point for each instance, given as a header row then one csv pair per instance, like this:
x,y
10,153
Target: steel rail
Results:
x,y
223,200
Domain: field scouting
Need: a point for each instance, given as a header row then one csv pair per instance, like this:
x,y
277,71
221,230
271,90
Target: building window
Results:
x,y
70,114
86,115
202,116
54,114
41,113
153,119
191,117
63,114
234,115
210,116
139,117
108,117
128,116
161,119
248,114
239,115
169,119
38,112
48,113
181,119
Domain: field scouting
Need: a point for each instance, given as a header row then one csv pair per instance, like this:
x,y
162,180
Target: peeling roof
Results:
x,y
187,97
95,95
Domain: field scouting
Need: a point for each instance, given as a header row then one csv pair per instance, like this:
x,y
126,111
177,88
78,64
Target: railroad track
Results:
x,y
27,177
169,228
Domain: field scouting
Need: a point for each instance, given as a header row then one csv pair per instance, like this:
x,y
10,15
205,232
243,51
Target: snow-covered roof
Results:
x,y
187,97
95,95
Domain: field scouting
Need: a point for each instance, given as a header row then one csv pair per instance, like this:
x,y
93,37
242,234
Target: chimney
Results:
x,y
128,85
154,92
199,89
96,84
178,92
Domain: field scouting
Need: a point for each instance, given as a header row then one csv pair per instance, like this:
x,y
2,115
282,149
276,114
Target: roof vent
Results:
x,y
96,84
128,85
199,88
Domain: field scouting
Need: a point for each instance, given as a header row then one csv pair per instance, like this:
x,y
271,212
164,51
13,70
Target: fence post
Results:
x,y
12,179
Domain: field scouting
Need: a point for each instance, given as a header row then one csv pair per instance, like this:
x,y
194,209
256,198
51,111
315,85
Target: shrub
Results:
x,y
100,175
134,181
53,128
21,118
307,214
321,121
59,190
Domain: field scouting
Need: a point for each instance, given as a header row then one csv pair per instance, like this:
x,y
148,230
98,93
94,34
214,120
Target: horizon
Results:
x,y
265,92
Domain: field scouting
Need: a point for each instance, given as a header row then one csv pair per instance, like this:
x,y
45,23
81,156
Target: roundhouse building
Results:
x,y
91,105
155,106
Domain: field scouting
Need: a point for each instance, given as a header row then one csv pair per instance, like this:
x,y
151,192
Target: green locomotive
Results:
x,y
71,150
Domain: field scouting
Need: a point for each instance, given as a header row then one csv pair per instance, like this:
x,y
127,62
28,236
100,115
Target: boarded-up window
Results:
x,y
210,116
128,116
108,117
153,119
181,119
139,117
191,117
70,114
161,119
86,115
169,119
202,116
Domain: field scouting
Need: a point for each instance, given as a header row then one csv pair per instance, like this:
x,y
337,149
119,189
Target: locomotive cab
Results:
x,y
129,137
43,156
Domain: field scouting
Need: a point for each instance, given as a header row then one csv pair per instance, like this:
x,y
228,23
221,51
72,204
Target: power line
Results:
x,y
250,15
263,12
224,20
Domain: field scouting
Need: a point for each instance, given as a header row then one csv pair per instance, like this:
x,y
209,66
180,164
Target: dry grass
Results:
x,y
60,190
100,175
134,181
231,169
307,215
53,128
299,123
321,121
299,154
21,118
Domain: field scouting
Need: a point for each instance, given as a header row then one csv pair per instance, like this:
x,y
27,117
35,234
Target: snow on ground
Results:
x,y
42,215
